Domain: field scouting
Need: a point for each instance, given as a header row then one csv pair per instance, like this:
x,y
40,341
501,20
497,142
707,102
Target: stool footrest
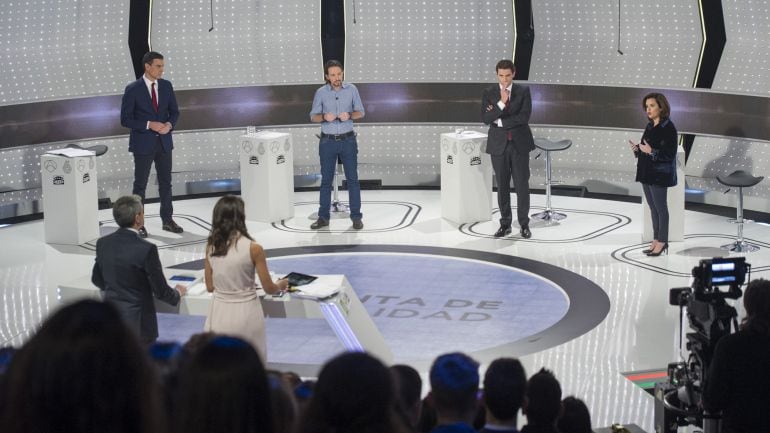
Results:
x,y
740,247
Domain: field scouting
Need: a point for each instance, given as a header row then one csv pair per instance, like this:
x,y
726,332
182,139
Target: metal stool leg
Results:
x,y
740,246
548,215
337,206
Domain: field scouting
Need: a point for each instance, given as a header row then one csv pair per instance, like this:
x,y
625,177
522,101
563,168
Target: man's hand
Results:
x,y
182,289
330,117
344,116
504,96
157,126
165,129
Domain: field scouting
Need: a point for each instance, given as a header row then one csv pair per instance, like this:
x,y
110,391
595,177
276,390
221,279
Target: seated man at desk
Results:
x,y
129,272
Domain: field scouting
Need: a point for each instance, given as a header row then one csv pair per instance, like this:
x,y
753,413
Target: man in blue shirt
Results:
x,y
335,106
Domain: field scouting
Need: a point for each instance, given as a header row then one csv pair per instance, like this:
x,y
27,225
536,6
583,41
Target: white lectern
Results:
x,y
70,202
466,177
675,200
267,176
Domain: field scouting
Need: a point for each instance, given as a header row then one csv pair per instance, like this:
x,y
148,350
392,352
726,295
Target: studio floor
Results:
x,y
579,297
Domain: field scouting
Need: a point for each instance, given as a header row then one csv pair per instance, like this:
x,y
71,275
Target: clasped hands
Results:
x,y
331,117
644,146
160,127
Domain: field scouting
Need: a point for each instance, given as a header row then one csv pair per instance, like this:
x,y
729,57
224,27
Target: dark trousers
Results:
x,y
658,202
142,166
346,149
512,163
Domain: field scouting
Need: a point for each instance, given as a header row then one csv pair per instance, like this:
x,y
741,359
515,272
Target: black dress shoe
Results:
x,y
172,227
320,222
525,233
358,224
142,232
502,231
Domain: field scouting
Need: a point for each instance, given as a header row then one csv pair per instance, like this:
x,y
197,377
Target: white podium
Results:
x,y
466,177
675,200
70,204
267,176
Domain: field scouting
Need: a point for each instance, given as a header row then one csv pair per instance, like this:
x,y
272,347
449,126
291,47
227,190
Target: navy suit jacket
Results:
x,y
129,272
136,110
515,119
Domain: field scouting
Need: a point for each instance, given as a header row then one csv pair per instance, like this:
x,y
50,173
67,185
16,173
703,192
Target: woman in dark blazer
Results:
x,y
656,166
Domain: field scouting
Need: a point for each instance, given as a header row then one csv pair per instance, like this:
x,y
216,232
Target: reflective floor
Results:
x,y
599,240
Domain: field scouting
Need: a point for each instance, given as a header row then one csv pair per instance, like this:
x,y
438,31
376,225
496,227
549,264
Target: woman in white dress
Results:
x,y
232,260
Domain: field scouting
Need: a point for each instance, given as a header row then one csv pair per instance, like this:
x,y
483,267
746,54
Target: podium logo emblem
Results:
x,y
468,148
86,177
280,160
58,180
454,148
449,159
67,167
247,146
254,160
445,144
82,165
286,146
476,160
49,165
261,148
275,147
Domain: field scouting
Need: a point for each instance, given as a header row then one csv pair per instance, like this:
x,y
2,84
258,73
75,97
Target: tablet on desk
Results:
x,y
183,279
297,279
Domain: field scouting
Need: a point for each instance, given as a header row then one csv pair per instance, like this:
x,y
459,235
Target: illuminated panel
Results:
x,y
576,42
263,42
415,40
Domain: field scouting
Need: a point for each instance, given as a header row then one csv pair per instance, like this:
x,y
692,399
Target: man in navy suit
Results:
x,y
506,108
150,111
128,270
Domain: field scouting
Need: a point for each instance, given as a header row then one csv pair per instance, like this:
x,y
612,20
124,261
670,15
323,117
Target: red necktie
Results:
x,y
154,98
508,133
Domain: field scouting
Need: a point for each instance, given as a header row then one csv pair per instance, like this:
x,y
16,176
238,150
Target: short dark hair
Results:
x,y
756,300
576,418
150,57
665,108
409,390
505,385
126,209
454,382
543,398
505,64
330,64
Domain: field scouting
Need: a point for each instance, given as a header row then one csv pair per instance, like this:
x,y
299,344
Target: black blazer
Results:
x,y
659,168
136,110
515,119
129,272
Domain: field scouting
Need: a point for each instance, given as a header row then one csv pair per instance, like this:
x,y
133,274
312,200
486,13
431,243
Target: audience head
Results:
x,y
409,387
575,418
454,382
128,211
283,404
227,224
223,388
756,301
543,398
354,394
6,354
505,386
83,371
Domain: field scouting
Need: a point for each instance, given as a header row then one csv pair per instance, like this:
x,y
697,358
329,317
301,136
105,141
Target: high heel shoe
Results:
x,y
662,250
647,251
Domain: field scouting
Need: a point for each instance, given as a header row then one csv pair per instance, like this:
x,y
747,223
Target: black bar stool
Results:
x,y
548,146
337,206
739,179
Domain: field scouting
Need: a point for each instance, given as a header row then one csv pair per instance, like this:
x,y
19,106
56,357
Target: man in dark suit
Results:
x,y
150,111
129,273
506,108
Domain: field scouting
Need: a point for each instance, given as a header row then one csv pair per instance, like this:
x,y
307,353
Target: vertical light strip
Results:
x,y
149,28
345,39
515,33
321,38
703,44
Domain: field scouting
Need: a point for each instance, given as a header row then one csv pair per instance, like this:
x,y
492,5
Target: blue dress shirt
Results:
x,y
328,100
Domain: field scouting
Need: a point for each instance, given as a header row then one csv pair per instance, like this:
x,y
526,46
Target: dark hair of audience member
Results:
x,y
575,417
454,382
409,386
283,404
354,394
84,371
756,301
223,388
543,399
428,419
166,357
228,222
505,387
